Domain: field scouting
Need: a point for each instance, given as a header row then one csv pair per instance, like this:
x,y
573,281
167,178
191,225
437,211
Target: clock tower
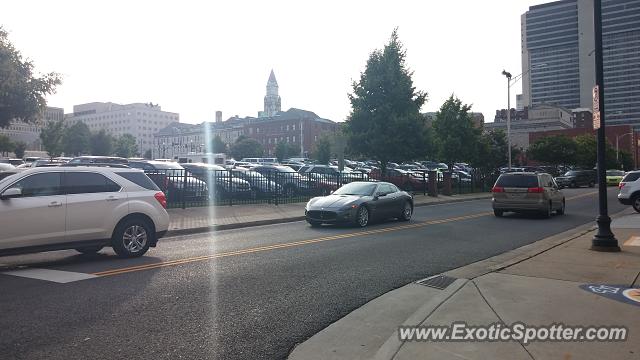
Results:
x,y
272,99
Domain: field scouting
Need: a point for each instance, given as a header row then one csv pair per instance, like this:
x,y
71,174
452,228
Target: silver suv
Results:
x,y
630,190
527,191
82,208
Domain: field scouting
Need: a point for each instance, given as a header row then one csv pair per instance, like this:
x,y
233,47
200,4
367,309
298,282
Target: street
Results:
x,y
250,293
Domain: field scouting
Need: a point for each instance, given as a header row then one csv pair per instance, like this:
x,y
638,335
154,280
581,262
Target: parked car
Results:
x,y
6,167
260,185
630,190
219,183
292,183
525,192
98,160
614,177
46,163
405,180
359,203
82,208
173,179
14,162
576,178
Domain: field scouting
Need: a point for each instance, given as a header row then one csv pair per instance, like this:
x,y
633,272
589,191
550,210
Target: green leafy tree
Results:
x,y
456,137
148,154
491,152
322,150
555,150
126,146
285,150
218,145
246,148
22,95
51,137
385,121
19,149
101,143
75,140
586,151
6,145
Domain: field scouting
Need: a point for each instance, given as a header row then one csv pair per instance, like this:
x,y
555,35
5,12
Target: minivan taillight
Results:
x,y
497,189
536,190
162,199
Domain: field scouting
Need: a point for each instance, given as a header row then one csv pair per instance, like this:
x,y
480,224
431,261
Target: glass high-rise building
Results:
x,y
558,62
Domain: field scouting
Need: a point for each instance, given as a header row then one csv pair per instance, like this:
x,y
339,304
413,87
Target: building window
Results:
x,y
294,139
287,139
287,127
293,127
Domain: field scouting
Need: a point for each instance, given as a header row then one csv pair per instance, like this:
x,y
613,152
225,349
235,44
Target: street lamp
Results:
x,y
617,144
603,240
509,84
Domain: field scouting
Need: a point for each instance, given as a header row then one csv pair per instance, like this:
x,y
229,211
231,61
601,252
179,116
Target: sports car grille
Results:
x,y
321,215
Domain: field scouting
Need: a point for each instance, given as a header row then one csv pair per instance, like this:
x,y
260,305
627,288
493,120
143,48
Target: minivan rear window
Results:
x,y
630,177
518,181
140,179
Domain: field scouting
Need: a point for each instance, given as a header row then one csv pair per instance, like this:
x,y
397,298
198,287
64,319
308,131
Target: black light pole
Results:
x,y
604,240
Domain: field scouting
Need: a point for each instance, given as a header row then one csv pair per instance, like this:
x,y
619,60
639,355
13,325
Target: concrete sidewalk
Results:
x,y
210,218
542,283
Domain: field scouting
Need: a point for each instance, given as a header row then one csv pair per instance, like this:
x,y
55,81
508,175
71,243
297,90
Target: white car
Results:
x,y
630,190
82,208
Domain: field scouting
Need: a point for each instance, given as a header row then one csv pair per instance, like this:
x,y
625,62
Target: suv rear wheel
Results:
x,y
132,238
635,202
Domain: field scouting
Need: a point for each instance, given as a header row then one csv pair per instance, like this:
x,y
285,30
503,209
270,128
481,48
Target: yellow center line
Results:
x,y
297,243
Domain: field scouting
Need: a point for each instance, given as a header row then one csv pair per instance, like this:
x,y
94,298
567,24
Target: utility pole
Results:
x,y
604,240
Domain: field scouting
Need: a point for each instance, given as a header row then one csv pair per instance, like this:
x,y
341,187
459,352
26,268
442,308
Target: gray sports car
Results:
x,y
359,203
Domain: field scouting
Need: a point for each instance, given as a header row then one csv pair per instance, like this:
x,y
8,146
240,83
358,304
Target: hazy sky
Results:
x,y
196,57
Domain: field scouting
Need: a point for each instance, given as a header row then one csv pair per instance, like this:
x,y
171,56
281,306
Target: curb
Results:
x,y
240,225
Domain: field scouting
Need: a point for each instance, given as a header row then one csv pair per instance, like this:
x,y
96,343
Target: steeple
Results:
x,y
272,99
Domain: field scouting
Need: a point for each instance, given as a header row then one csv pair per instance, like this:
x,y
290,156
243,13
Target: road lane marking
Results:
x,y
57,276
297,243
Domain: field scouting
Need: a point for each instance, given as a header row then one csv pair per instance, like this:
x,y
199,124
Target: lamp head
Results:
x,y
506,73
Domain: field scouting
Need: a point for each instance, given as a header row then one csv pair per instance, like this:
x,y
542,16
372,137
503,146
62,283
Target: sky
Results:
x,y
197,57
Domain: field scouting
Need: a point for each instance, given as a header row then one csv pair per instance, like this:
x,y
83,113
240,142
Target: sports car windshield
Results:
x,y
363,189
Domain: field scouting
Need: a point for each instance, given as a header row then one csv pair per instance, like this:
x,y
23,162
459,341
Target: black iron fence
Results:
x,y
185,188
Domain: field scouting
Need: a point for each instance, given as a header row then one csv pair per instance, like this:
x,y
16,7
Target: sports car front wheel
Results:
x,y
362,216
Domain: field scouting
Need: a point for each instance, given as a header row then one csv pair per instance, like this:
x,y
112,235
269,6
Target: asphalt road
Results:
x,y
249,293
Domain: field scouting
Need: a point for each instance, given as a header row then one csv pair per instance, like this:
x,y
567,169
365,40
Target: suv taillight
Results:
x,y
536,190
162,199
621,185
497,189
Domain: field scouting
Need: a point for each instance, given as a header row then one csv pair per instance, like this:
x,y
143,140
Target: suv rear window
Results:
x,y
140,179
518,181
630,177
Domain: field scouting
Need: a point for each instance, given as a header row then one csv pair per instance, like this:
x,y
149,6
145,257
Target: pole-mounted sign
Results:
x,y
596,107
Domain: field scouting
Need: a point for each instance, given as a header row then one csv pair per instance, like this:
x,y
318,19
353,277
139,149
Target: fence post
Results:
x,y
184,189
275,175
424,184
230,192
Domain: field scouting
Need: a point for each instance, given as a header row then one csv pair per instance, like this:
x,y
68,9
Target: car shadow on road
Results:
x,y
70,257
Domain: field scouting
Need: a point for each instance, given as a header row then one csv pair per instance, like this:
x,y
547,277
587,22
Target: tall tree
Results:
x,y
285,150
218,145
22,95
554,150
51,137
385,121
126,146
322,150
6,145
19,149
75,140
101,143
457,138
491,152
246,148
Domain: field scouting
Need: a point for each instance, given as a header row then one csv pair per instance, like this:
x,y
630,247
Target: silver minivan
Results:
x,y
527,192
